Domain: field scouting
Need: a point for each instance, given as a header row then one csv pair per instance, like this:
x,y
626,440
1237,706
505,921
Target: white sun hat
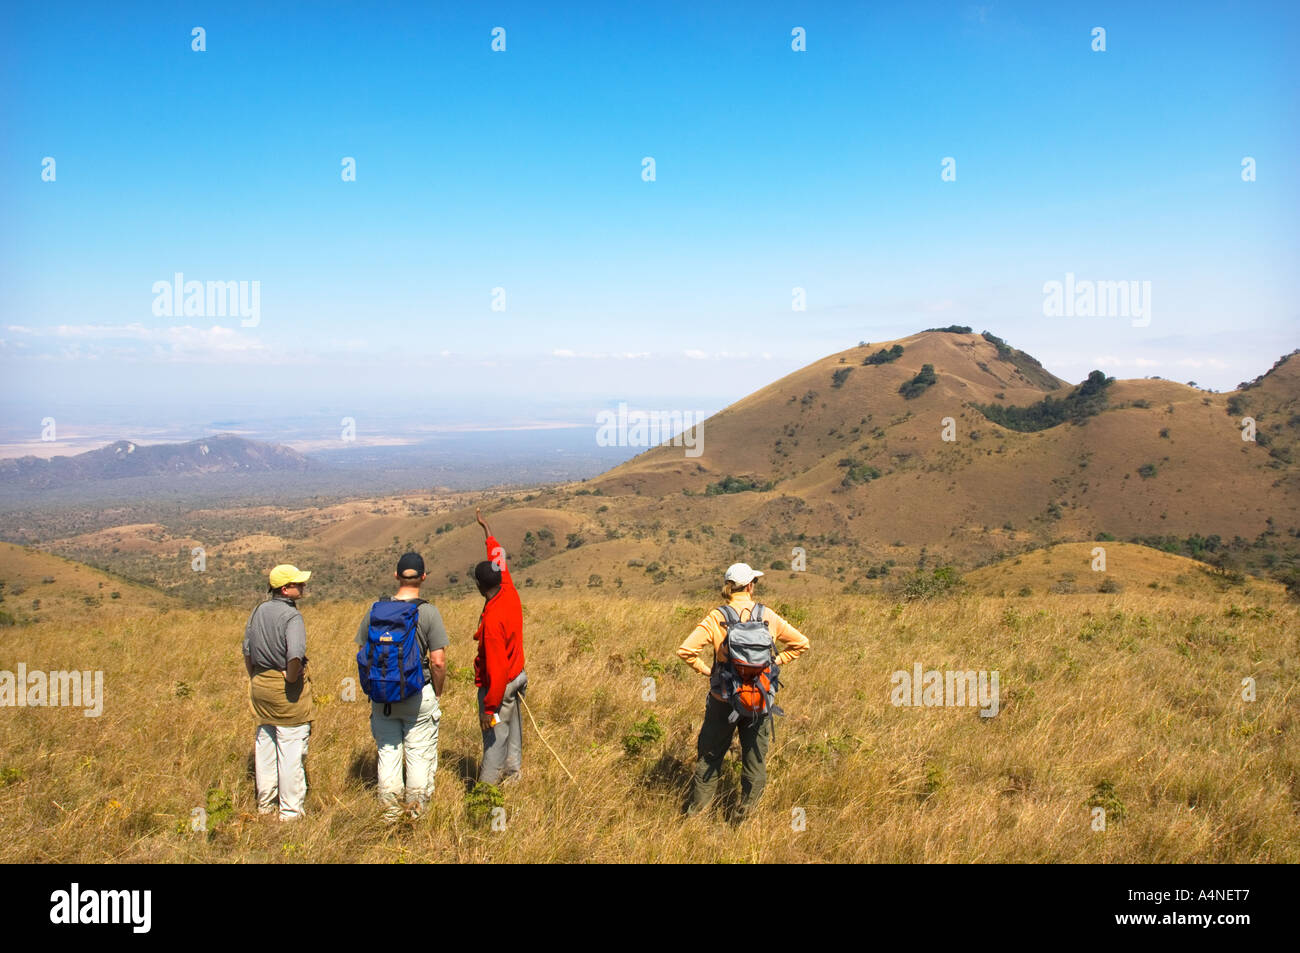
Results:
x,y
742,573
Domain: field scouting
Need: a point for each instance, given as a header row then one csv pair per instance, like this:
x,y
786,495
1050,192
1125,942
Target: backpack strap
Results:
x,y
414,602
756,614
729,618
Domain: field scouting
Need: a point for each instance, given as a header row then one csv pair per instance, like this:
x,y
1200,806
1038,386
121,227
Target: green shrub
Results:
x,y
857,472
1004,349
860,474
731,484
884,356
482,800
1104,796
941,581
220,809
643,734
795,615
935,776
1086,400
648,664
920,383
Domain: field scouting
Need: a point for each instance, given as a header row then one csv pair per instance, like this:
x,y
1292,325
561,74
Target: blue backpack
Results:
x,y
389,664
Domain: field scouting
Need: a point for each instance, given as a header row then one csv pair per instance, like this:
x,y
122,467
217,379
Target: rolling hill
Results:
x,y
837,460
34,584
223,453
1068,568
836,444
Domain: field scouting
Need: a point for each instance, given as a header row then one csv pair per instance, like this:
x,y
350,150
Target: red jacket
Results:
x,y
500,636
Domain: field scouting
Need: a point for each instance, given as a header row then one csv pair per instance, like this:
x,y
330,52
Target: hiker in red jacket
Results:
x,y
499,666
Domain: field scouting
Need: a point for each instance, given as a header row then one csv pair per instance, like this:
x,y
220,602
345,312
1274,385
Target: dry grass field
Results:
x,y
1130,701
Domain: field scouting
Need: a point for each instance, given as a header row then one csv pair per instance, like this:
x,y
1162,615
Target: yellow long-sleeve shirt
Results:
x,y
711,631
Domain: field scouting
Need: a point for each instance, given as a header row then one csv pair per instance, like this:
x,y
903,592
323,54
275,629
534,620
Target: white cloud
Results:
x,y
600,356
182,343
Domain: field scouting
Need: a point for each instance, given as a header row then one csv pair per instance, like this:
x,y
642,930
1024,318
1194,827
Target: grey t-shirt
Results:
x,y
274,634
429,632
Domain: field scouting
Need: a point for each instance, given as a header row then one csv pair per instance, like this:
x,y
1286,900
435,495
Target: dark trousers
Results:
x,y
715,739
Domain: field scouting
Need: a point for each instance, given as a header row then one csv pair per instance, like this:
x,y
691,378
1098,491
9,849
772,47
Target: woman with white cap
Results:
x,y
750,642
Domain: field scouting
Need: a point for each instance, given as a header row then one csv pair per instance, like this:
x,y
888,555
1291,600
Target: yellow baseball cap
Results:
x,y
284,574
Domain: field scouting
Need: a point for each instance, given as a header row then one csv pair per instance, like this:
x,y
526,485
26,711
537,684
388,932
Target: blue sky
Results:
x,y
522,170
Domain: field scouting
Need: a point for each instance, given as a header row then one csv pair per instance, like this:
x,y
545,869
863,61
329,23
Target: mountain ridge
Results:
x,y
220,453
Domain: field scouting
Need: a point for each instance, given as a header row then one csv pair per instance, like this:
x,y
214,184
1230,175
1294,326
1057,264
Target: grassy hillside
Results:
x,y
1131,701
37,586
1119,567
1158,459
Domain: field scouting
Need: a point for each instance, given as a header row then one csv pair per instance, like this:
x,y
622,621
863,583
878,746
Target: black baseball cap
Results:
x,y
411,566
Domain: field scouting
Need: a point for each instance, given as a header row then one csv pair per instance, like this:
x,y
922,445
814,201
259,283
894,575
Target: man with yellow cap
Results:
x,y
275,655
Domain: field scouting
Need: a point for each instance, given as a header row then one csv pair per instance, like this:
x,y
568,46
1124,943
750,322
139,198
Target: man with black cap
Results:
x,y
407,730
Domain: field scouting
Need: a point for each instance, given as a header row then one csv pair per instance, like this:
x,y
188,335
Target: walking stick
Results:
x,y
544,741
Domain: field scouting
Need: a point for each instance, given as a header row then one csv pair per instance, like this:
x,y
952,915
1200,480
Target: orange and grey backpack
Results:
x,y
745,673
